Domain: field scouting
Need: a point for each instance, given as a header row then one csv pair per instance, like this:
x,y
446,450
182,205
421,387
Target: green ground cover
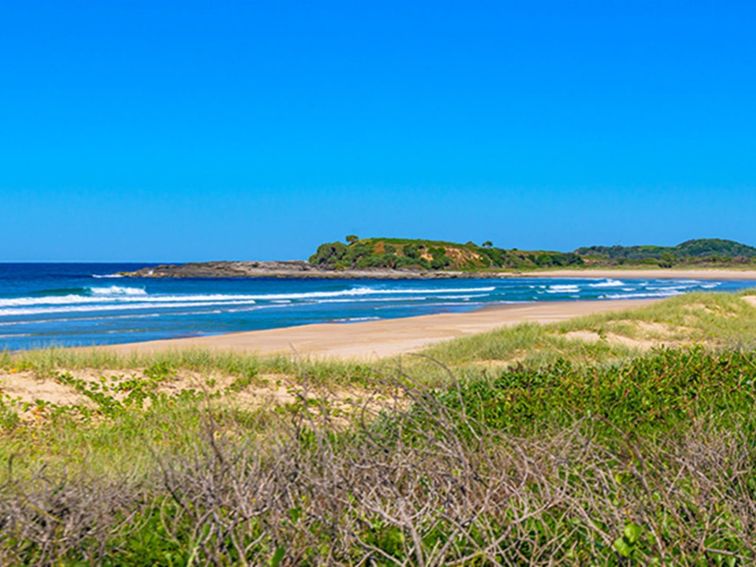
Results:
x,y
584,442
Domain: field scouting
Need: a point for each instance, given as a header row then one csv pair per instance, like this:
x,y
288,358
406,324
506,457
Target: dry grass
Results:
x,y
314,496
716,320
485,450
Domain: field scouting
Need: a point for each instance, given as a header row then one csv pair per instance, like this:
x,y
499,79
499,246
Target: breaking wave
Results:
x,y
608,283
117,290
566,288
117,298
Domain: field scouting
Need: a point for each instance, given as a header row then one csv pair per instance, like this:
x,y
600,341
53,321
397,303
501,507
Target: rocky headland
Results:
x,y
293,269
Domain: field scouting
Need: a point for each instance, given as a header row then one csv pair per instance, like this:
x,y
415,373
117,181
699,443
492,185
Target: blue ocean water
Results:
x,y
44,305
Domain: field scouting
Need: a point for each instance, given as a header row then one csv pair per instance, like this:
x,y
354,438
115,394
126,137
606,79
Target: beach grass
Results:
x,y
621,438
717,320
48,362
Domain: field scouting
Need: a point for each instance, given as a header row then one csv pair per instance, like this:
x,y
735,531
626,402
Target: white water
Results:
x,y
119,295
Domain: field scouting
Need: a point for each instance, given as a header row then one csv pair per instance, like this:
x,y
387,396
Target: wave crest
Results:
x,y
117,290
608,283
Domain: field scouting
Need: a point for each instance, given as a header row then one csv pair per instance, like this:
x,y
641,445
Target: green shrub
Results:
x,y
648,395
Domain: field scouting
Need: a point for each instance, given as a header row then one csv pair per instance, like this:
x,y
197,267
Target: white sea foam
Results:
x,y
356,319
463,297
116,300
453,304
51,300
117,290
607,283
120,294
256,308
366,291
372,300
57,320
111,307
107,276
641,294
670,287
571,288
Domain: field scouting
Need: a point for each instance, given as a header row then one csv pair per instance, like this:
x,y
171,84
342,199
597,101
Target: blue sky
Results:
x,y
171,131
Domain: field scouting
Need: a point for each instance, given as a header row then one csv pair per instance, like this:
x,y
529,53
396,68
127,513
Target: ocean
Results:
x,y
46,305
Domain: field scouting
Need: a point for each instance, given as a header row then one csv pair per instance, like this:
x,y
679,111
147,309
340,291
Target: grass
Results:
x,y
717,320
649,395
646,461
49,362
526,445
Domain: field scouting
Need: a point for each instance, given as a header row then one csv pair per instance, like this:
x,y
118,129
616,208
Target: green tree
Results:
x,y
352,238
411,251
328,254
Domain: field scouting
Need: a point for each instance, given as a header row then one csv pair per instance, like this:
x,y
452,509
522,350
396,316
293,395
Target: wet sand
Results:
x,y
378,339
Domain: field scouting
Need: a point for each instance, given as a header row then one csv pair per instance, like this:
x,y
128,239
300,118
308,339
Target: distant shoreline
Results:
x,y
304,270
379,339
660,273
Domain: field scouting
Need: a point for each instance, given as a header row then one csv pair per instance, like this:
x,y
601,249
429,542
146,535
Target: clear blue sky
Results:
x,y
160,131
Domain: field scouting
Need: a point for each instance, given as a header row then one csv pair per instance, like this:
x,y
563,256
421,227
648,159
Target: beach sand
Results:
x,y
378,339
694,274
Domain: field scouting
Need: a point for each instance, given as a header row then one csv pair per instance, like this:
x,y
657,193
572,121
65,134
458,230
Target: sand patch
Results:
x,y
585,336
24,391
616,340
25,387
640,344
751,299
184,380
115,383
656,329
661,332
698,309
339,405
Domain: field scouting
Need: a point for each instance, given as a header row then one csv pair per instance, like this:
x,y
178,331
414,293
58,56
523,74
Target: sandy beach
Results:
x,y
378,339
696,274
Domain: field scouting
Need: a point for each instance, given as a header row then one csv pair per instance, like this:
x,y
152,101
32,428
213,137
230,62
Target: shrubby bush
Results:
x,y
643,463
707,250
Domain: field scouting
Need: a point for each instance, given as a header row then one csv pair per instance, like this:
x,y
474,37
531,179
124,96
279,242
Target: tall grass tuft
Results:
x,y
645,462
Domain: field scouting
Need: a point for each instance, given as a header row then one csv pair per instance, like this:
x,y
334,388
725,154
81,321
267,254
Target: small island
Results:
x,y
397,258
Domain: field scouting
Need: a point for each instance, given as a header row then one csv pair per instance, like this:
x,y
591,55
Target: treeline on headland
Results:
x,y
704,250
398,253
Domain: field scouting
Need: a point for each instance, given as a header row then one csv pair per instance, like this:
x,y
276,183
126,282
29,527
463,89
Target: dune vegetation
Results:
x,y
623,438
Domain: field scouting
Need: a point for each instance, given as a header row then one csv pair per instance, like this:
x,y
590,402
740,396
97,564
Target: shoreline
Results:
x,y
638,273
372,340
303,270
